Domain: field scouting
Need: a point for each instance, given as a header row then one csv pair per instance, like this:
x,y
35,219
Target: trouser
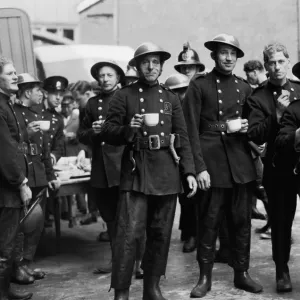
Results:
x,y
235,203
27,243
282,195
9,226
138,213
188,219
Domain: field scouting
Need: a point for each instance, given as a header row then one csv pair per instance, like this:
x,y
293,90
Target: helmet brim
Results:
x,y
179,86
95,69
189,63
212,45
296,70
164,55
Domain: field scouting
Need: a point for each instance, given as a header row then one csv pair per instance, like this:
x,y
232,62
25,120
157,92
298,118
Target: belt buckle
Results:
x,y
154,142
33,149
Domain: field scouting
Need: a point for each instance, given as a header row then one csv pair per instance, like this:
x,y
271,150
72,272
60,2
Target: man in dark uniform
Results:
x,y
14,190
150,177
106,159
40,170
224,166
189,63
265,108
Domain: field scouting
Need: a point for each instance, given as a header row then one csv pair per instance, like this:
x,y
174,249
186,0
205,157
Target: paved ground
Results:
x,y
69,274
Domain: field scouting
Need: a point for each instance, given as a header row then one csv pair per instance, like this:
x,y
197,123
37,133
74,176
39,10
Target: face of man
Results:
x,y
108,79
35,95
54,98
150,68
66,107
189,70
9,79
277,66
180,93
252,77
226,58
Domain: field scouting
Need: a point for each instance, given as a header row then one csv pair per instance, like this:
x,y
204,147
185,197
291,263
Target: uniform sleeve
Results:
x,y
186,162
261,125
192,110
288,138
46,159
115,131
9,167
58,147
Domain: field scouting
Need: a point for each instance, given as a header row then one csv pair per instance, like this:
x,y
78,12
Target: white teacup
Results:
x,y
151,119
44,125
234,125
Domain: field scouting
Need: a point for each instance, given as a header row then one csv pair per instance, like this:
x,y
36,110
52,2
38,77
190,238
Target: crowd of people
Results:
x,y
212,139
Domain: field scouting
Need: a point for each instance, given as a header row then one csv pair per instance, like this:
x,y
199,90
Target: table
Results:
x,y
68,188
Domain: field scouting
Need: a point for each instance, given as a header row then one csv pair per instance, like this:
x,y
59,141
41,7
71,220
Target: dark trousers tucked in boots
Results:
x,y
136,213
106,200
282,195
236,204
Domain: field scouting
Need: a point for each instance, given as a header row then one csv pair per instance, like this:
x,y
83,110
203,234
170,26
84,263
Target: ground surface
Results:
x,y
69,273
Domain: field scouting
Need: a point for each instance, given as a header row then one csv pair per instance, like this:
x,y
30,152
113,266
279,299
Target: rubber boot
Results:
x,y
204,283
151,288
121,294
283,280
243,281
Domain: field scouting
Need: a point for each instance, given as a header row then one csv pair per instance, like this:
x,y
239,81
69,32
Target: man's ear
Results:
x,y
213,55
27,93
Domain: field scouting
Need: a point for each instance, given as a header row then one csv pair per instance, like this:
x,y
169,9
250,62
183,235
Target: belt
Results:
x,y
212,126
155,142
30,149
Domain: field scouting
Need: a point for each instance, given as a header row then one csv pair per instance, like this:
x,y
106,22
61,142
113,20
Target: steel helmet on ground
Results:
x,y
189,57
96,67
149,48
177,81
226,39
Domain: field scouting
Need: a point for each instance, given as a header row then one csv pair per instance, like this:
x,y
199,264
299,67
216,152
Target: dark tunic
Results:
x,y
212,99
13,164
106,159
40,170
156,172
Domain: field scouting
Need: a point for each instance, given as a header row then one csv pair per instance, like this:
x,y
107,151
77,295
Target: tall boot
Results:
x,y
283,279
243,281
151,289
107,268
204,283
121,294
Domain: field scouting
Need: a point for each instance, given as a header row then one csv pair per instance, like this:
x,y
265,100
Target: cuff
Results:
x,y
297,140
23,183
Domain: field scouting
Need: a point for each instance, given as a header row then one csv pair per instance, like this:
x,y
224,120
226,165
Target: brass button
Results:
x,y
161,100
161,111
142,99
238,101
100,117
220,101
219,91
218,80
100,100
41,138
140,90
162,122
292,89
142,110
295,98
220,112
23,113
160,91
274,93
103,143
53,116
26,120
237,112
236,81
162,134
36,116
100,108
223,133
145,133
51,136
238,90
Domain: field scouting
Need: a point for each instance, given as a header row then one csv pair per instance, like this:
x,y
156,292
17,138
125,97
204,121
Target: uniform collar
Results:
x,y
221,75
7,97
278,88
145,83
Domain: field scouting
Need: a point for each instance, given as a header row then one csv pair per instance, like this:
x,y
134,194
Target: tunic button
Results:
x,y
161,100
36,116
42,117
51,136
219,91
238,101
236,81
145,133
142,99
26,120
295,98
48,144
100,108
223,133
100,117
100,100
160,91
292,89
41,138
237,112
162,122
238,90
23,113
274,93
53,128
140,90
53,116
103,143
161,111
162,134
220,101
220,112
142,110
218,81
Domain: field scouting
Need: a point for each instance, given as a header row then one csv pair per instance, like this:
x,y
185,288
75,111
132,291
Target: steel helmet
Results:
x,y
111,63
27,78
131,72
226,39
189,57
177,81
34,220
149,48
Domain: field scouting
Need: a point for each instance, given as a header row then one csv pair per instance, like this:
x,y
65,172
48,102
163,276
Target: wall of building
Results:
x,y
170,23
